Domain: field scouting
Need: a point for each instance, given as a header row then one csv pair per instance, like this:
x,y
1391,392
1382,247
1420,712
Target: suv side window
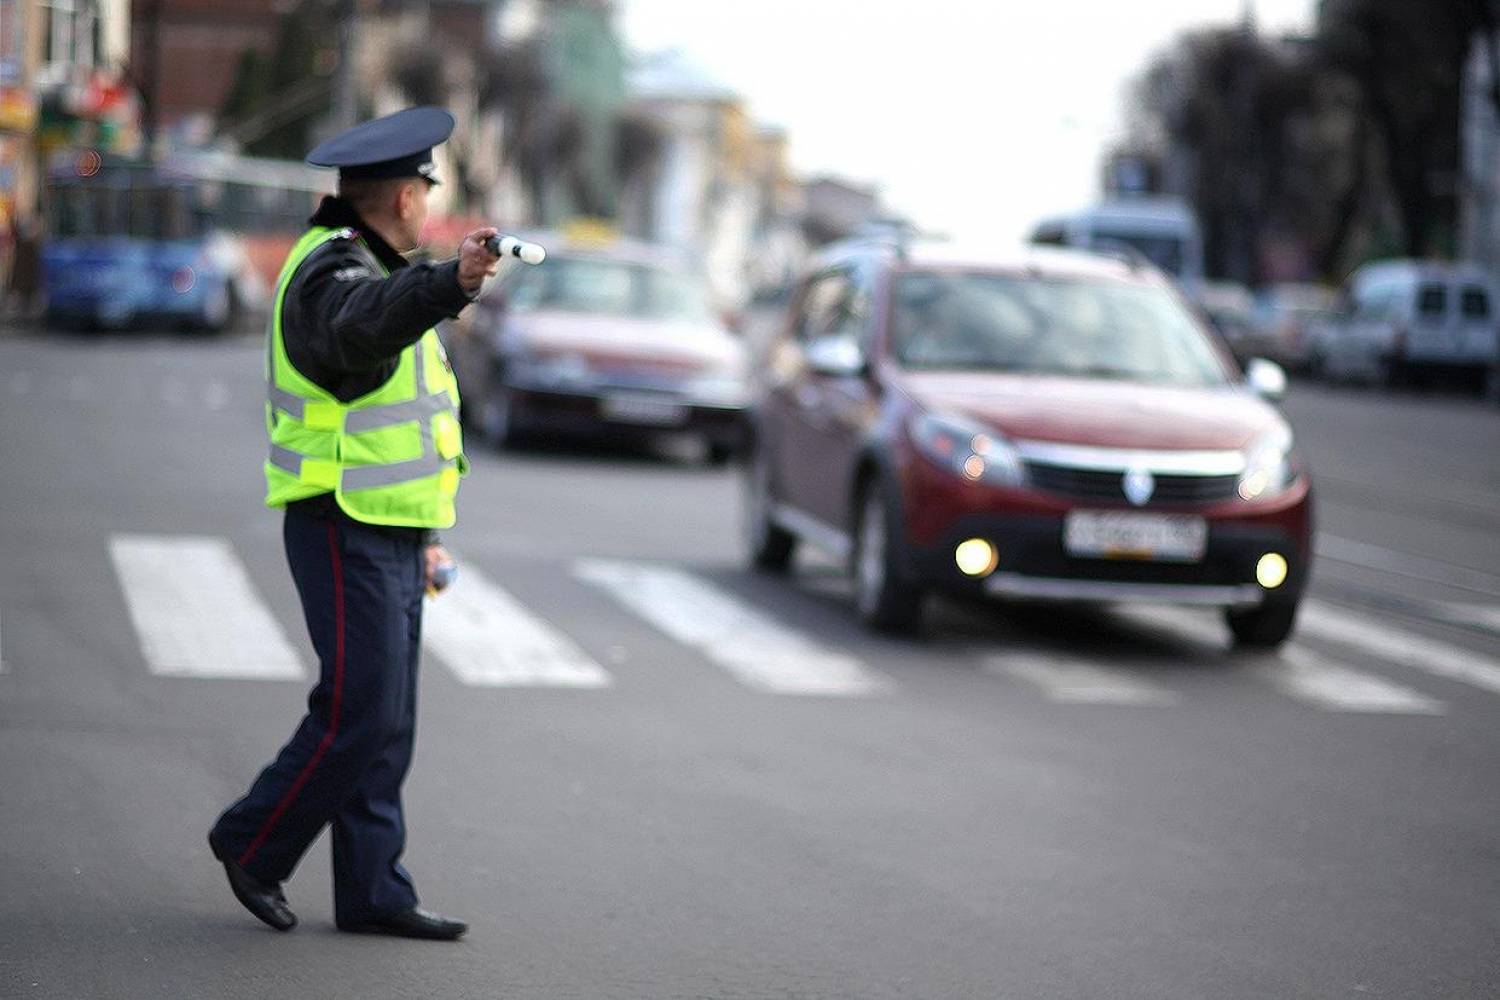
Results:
x,y
822,306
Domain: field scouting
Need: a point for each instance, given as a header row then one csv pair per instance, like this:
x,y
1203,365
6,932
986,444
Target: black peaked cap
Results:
x,y
398,145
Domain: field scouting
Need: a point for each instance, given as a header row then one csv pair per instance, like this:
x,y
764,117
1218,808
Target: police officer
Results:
x,y
365,457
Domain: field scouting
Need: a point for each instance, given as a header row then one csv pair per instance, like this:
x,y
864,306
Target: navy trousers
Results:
x,y
361,593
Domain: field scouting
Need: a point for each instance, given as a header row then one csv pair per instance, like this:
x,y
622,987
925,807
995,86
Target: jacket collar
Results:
x,y
336,213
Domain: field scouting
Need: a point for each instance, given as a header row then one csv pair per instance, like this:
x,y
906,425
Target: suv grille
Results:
x,y
1095,484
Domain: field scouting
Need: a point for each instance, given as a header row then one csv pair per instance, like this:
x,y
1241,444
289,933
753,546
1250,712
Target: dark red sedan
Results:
x,y
1052,425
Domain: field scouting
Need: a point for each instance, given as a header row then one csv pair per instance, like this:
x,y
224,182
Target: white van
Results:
x,y
1404,317
1161,229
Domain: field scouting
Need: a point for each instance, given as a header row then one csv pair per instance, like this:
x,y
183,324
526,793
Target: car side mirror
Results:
x,y
839,357
1266,379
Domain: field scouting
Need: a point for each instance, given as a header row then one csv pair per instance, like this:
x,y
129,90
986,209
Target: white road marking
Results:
x,y
758,651
1395,645
1485,616
1369,556
489,639
1307,676
215,395
1202,627
1296,670
196,612
1068,679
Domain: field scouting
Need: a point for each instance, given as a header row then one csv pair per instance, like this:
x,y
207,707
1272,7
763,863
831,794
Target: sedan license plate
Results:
x,y
639,409
1111,534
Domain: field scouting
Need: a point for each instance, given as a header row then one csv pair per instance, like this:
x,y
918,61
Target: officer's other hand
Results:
x,y
434,557
475,262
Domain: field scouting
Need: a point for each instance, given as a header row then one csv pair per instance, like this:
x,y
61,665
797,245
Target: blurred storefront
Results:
x,y
61,89
720,185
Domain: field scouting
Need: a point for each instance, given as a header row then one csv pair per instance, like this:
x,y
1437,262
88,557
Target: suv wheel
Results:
x,y
883,599
1265,627
771,546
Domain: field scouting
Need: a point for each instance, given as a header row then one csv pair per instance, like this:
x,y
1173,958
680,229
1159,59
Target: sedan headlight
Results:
x,y
1268,465
558,371
718,388
967,449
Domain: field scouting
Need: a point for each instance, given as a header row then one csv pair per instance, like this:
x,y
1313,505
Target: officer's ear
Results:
x,y
406,200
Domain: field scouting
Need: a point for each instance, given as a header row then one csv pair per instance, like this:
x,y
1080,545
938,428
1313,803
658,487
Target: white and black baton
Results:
x,y
509,246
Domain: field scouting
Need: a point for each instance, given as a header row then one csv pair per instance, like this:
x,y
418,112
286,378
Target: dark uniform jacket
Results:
x,y
345,323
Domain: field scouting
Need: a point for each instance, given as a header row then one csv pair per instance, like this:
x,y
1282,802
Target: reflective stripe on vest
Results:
x,y
316,441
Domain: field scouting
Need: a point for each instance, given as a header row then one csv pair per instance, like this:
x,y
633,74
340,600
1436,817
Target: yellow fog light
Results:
x,y
1270,572
976,557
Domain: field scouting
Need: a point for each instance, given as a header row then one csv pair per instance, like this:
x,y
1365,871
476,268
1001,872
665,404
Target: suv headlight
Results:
x,y
967,449
1268,465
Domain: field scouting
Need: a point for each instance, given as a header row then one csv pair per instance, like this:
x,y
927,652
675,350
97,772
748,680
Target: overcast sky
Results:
x,y
975,117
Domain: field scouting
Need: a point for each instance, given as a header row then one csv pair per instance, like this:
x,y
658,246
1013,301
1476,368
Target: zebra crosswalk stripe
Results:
x,y
1441,659
1075,681
758,651
489,639
1307,676
196,612
1299,672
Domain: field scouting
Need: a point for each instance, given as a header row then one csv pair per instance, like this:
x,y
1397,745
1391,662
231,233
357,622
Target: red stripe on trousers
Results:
x,y
333,715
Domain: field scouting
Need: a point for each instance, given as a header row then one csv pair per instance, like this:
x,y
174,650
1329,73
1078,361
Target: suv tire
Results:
x,y
884,599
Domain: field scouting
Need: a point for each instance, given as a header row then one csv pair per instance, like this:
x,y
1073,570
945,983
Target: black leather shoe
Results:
x,y
264,900
414,923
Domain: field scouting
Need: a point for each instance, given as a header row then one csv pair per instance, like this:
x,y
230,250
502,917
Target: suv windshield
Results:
x,y
613,288
997,322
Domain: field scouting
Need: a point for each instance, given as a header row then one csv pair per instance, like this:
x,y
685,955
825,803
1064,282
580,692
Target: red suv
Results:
x,y
1054,425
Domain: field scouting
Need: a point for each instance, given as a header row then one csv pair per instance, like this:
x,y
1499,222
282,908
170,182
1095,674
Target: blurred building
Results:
x,y
835,208
186,54
718,184
1479,193
62,87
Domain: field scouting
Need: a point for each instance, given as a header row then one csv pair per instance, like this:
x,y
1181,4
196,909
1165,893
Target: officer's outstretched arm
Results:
x,y
363,320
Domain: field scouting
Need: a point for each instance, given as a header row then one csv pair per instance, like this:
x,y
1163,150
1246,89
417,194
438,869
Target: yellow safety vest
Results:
x,y
393,456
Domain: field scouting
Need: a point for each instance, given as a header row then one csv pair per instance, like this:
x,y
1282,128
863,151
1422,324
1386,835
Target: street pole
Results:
x,y
151,78
344,111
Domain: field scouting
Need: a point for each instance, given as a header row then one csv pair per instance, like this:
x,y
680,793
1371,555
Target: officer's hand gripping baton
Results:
x,y
509,246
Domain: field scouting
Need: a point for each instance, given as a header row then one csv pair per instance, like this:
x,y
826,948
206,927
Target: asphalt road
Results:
x,y
627,784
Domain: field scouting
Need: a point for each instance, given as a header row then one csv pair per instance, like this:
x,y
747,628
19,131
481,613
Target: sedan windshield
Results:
x,y
993,322
612,288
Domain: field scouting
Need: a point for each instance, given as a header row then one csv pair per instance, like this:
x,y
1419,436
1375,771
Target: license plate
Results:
x,y
651,410
1109,534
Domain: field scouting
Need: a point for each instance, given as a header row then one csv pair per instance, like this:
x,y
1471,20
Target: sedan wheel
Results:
x,y
218,307
884,601
496,418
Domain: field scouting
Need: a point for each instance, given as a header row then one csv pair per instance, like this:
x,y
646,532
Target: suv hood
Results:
x,y
1099,412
